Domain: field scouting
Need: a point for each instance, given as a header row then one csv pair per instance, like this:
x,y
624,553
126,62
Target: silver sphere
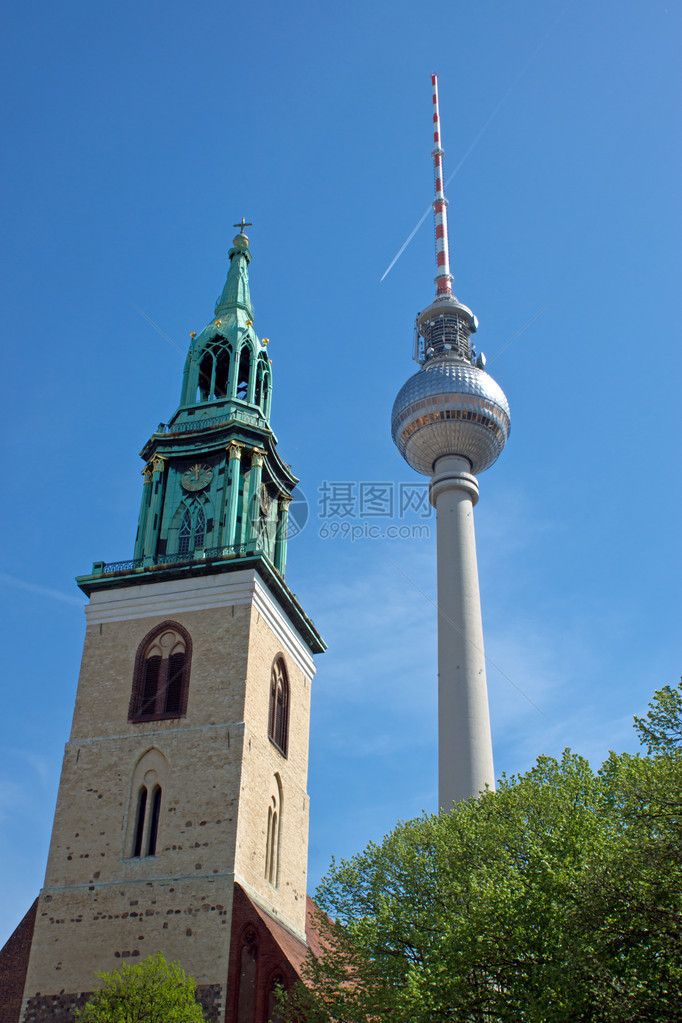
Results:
x,y
450,408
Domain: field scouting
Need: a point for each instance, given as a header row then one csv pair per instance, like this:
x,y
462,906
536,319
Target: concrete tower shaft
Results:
x,y
465,754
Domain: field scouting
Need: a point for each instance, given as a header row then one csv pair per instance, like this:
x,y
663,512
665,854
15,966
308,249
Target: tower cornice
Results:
x,y
101,579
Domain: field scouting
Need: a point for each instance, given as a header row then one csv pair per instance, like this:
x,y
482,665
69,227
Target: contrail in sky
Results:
x,y
157,327
41,591
518,333
476,140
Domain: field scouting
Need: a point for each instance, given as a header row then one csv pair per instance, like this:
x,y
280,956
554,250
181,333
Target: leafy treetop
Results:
x,y
154,991
555,899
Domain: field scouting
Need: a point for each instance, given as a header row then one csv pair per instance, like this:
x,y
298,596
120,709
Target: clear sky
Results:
x,y
136,134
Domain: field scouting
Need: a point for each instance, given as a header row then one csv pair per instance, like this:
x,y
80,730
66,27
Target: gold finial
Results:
x,y
265,340
249,323
192,334
218,323
241,241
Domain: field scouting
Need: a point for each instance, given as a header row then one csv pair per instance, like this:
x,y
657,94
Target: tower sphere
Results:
x,y
450,408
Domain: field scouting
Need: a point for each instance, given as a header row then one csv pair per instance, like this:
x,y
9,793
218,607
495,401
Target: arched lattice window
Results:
x,y
161,676
278,724
214,372
192,532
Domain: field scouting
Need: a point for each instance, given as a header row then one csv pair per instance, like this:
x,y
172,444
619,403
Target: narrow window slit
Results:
x,y
139,822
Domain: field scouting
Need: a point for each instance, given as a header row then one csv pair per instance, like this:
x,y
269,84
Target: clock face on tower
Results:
x,y
197,477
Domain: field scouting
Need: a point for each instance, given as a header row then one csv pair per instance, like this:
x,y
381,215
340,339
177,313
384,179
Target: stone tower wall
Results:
x,y
100,905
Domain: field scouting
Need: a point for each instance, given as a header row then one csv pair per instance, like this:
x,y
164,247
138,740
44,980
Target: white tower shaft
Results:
x,y
465,755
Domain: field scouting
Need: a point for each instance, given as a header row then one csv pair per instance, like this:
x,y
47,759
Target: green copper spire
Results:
x,y
236,293
216,492
226,362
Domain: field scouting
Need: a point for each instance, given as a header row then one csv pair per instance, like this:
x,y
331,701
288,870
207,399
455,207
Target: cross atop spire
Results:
x,y
244,223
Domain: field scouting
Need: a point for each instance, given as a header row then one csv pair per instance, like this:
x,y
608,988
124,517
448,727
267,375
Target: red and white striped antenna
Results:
x,y
440,204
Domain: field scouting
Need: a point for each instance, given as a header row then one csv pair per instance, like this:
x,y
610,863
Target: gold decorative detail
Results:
x,y
192,334
284,501
249,323
265,341
257,456
218,323
147,473
158,463
235,449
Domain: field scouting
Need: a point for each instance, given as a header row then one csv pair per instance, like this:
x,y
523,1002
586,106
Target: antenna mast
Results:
x,y
443,278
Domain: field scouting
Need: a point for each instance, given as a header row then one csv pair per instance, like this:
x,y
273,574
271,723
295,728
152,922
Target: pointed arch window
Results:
x,y
243,373
192,531
199,529
154,822
273,834
262,384
205,376
214,372
222,372
139,821
146,823
274,1011
144,818
161,676
278,723
185,535
248,977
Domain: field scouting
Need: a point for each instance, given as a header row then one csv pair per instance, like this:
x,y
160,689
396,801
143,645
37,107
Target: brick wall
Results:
x,y
13,964
276,950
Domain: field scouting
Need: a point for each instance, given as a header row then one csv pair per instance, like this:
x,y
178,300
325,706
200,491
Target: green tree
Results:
x,y
154,991
661,730
555,899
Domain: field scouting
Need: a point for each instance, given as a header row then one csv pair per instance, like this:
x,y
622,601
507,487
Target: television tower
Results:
x,y
450,421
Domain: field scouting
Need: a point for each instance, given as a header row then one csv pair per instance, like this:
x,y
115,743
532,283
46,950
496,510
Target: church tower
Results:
x,y
183,786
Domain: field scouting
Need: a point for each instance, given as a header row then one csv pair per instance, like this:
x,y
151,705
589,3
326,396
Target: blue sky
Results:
x,y
136,135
